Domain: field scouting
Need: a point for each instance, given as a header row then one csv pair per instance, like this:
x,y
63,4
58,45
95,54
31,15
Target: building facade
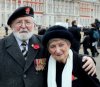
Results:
x,y
48,12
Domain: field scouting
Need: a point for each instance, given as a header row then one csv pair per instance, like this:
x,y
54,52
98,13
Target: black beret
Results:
x,y
21,12
56,31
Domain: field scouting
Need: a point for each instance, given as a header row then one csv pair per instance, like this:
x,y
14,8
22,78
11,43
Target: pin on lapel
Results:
x,y
36,46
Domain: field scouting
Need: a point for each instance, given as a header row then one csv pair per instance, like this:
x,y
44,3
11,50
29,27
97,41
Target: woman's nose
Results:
x,y
57,49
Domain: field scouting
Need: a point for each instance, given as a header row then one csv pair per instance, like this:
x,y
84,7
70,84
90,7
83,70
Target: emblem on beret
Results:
x,y
27,10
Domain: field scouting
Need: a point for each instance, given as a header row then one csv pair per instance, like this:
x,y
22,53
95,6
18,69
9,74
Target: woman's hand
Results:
x,y
89,66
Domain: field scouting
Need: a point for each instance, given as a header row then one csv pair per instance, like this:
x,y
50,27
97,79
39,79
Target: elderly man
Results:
x,y
22,57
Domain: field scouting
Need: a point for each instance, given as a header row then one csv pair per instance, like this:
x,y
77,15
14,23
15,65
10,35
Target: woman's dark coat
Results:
x,y
82,79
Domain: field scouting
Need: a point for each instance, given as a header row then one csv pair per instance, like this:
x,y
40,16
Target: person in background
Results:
x,y
6,30
65,66
23,59
97,23
41,31
93,40
86,43
75,30
67,23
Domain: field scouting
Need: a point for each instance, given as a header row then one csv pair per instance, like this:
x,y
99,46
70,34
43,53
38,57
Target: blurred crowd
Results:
x,y
87,37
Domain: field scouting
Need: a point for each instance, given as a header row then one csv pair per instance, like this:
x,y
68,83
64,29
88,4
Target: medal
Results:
x,y
40,64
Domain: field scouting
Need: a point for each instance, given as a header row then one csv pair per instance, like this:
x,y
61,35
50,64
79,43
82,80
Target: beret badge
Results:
x,y
27,10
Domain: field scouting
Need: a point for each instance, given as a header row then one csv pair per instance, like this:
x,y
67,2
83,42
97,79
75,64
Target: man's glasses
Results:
x,y
26,23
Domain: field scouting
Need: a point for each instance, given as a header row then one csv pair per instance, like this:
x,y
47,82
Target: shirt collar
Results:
x,y
20,42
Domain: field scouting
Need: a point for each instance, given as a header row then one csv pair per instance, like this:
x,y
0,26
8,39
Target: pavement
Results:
x,y
97,59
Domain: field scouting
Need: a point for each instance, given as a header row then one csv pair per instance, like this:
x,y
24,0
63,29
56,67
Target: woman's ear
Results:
x,y
69,44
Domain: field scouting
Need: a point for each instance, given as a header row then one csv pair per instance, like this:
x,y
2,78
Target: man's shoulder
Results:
x,y
39,37
2,43
77,57
2,40
6,39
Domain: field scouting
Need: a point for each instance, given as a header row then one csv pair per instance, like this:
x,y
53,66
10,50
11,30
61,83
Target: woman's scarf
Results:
x,y
66,73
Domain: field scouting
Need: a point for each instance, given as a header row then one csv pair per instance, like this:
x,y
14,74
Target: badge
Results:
x,y
27,10
73,77
40,64
36,46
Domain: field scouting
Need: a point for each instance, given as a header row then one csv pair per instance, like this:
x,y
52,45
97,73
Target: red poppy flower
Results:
x,y
73,77
35,46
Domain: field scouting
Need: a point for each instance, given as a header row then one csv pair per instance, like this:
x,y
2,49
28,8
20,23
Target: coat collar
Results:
x,y
32,53
14,50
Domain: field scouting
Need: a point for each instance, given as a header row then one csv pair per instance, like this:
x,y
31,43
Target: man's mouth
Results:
x,y
23,32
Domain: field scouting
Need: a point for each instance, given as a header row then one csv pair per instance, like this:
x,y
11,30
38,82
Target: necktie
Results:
x,y
24,51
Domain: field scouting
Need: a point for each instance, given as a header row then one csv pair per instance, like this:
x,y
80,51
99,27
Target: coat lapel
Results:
x,y
14,50
31,52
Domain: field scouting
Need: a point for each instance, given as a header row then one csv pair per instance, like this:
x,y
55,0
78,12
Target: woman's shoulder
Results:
x,y
77,61
77,56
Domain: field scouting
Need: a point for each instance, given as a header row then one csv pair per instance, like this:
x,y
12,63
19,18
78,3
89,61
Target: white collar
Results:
x,y
20,42
66,74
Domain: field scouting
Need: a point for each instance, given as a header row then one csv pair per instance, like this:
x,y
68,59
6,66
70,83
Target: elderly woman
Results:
x,y
64,65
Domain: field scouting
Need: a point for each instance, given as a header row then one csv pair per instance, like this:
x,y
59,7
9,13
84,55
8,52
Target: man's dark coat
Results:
x,y
14,70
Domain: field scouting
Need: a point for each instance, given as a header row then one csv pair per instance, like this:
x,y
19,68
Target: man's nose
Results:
x,y
23,24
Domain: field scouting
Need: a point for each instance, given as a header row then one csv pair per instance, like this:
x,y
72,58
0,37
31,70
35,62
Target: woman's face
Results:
x,y
59,48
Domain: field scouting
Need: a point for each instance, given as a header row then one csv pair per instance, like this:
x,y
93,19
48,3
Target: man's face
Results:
x,y
23,27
